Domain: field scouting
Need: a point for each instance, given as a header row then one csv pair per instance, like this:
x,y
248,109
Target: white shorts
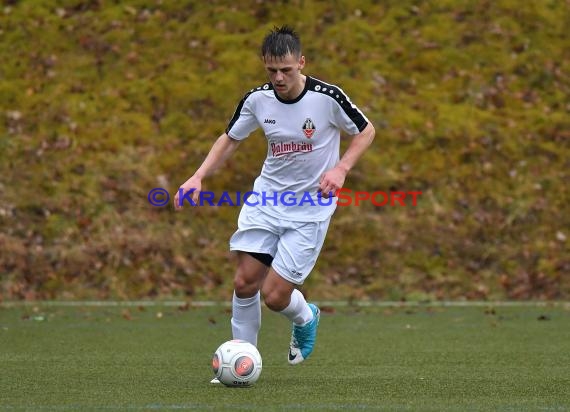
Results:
x,y
294,246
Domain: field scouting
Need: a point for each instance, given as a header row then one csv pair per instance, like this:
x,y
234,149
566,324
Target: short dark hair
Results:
x,y
280,41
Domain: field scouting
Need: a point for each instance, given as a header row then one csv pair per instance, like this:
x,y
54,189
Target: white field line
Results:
x,y
331,303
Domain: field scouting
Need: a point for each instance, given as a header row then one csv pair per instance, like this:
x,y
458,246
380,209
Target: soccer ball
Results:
x,y
237,363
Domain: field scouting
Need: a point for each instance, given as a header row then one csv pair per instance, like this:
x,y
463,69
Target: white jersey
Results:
x,y
303,138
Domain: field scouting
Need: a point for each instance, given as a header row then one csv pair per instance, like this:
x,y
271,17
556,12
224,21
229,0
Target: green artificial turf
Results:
x,y
419,358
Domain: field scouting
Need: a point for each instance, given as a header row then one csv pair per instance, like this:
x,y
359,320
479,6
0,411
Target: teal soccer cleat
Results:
x,y
303,338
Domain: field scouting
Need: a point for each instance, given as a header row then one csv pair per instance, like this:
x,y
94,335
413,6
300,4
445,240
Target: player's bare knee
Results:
x,y
275,300
244,287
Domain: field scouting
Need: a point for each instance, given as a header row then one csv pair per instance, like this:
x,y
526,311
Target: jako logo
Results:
x,y
270,121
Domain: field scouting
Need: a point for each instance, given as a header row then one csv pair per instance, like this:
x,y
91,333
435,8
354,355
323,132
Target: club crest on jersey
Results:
x,y
308,128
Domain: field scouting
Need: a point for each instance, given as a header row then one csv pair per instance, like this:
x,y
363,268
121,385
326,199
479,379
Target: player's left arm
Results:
x,y
333,179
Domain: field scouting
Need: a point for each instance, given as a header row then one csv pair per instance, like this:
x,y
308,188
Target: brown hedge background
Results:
x,y
102,101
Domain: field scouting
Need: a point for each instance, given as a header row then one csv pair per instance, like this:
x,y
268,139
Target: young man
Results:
x,y
282,226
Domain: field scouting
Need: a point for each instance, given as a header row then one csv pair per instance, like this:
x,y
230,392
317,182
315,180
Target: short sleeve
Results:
x,y
346,115
243,122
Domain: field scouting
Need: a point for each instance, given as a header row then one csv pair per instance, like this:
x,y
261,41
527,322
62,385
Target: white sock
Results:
x,y
298,310
246,318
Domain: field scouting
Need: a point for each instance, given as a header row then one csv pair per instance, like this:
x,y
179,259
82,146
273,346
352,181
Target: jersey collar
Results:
x,y
308,82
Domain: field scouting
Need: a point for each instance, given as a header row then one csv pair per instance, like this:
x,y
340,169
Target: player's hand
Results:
x,y
331,181
189,190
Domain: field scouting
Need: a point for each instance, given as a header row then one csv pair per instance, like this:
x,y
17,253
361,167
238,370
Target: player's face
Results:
x,y
285,75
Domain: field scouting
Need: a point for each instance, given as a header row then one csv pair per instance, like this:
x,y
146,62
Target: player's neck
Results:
x,y
297,90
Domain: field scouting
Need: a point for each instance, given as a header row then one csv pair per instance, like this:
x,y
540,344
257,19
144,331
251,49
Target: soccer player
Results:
x,y
282,226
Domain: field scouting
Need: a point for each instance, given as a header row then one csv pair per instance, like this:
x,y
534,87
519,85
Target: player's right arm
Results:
x,y
241,125
222,149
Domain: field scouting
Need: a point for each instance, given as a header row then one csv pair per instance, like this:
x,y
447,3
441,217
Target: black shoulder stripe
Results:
x,y
235,117
343,101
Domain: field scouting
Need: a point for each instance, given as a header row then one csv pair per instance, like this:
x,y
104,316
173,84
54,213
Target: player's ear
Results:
x,y
301,62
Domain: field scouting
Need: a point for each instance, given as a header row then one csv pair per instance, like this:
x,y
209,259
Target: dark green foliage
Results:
x,y
103,101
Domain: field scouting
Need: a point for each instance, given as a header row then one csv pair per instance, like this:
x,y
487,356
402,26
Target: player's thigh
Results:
x,y
298,250
249,275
